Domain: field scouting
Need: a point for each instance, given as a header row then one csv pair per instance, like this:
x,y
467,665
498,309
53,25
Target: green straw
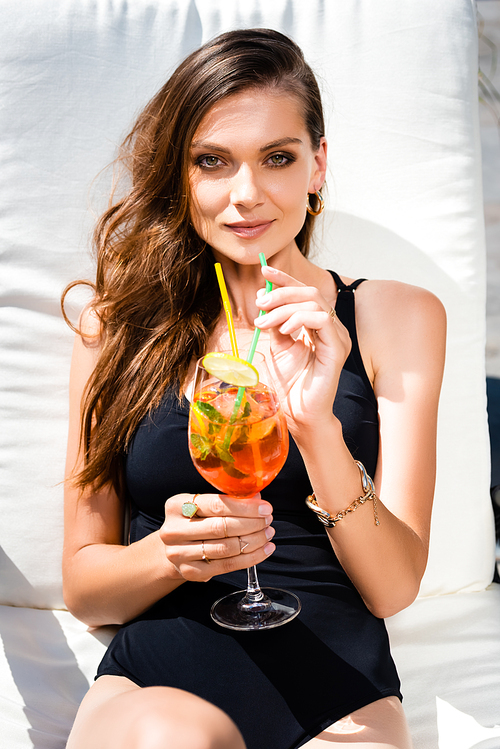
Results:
x,y
256,332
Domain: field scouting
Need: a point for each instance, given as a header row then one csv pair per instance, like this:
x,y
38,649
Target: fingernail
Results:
x,y
265,510
269,532
264,299
269,548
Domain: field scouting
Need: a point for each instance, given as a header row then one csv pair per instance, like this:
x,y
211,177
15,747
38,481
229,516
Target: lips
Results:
x,y
249,229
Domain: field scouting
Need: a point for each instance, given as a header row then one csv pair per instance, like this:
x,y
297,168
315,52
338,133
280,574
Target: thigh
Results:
x,y
91,710
380,725
117,714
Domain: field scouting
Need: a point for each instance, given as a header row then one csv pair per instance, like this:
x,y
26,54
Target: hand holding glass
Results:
x,y
238,440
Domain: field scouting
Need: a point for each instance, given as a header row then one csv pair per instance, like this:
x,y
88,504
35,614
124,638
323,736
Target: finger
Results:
x,y
231,528
214,528
219,549
201,570
178,530
253,507
276,317
219,505
289,320
279,277
292,295
234,546
319,322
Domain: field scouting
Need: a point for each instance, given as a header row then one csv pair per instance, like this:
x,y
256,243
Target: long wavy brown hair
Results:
x,y
155,293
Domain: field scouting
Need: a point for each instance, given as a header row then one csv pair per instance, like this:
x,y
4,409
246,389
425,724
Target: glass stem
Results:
x,y
254,592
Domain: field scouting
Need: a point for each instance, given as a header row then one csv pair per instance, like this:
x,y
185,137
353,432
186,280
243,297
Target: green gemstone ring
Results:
x,y
189,509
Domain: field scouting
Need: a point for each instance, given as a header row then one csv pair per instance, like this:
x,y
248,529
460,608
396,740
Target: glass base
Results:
x,y
243,612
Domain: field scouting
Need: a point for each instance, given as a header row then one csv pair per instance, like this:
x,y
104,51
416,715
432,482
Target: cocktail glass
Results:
x,y
238,440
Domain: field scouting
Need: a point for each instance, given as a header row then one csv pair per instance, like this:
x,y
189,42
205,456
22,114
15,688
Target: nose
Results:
x,y
246,189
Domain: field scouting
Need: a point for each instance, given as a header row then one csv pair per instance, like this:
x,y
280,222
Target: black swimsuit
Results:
x,y
281,686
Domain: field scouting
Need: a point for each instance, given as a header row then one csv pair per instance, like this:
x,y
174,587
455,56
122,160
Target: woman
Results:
x,y
228,161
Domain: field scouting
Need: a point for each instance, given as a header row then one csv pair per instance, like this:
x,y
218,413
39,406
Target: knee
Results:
x,y
181,720
155,732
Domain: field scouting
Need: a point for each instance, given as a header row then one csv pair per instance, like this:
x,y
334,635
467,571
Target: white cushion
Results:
x,y
404,201
47,663
447,650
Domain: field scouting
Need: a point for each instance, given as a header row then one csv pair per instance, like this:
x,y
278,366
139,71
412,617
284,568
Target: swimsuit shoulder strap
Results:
x,y
341,286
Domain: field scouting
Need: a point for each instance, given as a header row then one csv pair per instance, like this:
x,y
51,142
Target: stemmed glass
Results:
x,y
238,441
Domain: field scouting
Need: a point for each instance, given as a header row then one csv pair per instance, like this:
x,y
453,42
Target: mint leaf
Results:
x,y
223,453
232,471
210,412
201,446
242,440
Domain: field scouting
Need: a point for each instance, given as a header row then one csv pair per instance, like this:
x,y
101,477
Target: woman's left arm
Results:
x,y
401,331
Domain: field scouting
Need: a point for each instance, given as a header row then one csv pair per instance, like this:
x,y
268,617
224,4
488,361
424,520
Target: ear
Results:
x,y
319,169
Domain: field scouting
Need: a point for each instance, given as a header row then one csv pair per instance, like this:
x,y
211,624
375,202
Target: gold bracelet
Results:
x,y
330,521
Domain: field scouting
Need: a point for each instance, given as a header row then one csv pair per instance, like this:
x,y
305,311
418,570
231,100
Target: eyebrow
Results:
x,y
280,143
208,146
275,144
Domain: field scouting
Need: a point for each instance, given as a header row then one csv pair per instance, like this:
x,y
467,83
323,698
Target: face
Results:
x,y
251,167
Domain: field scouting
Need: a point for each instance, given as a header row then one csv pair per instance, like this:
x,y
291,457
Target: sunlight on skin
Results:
x,y
379,725
347,726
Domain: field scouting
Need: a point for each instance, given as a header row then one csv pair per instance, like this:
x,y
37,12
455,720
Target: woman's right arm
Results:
x,y
107,582
104,582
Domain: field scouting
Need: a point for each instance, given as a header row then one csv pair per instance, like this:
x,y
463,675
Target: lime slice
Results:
x,y
231,369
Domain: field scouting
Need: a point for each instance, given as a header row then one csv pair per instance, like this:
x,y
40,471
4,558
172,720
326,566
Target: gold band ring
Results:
x,y
243,545
204,558
332,314
189,509
225,528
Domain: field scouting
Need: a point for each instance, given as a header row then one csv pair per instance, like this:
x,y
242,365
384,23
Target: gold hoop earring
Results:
x,y
321,202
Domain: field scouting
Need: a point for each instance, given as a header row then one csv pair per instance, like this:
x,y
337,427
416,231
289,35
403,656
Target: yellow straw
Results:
x,y
227,307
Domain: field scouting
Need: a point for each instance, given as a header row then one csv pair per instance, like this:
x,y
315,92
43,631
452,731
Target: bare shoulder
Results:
x,y
398,321
385,298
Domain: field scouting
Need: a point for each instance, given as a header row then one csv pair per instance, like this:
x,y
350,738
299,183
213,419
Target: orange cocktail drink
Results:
x,y
238,443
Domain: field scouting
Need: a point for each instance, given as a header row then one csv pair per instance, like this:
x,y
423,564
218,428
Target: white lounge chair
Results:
x,y
404,201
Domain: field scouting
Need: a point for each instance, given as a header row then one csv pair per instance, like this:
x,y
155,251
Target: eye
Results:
x,y
280,159
209,162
